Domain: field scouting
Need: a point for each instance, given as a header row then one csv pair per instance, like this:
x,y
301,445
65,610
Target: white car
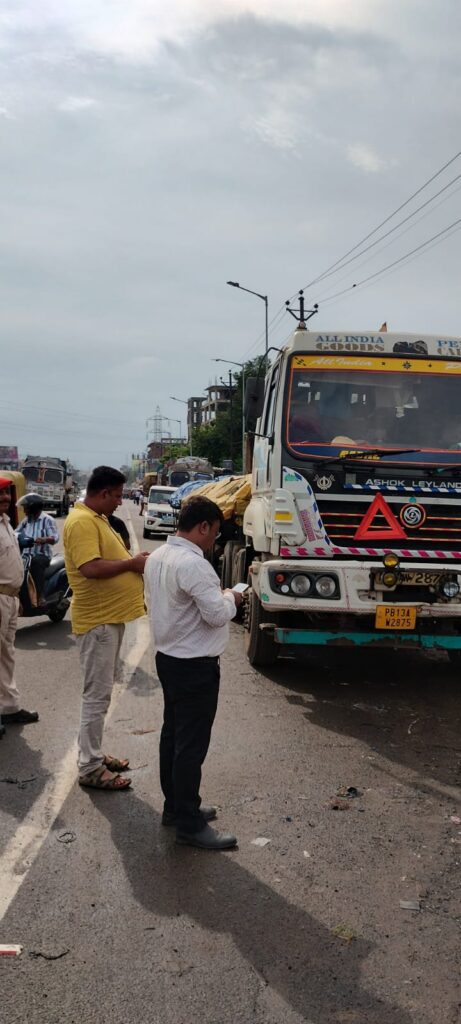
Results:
x,y
159,516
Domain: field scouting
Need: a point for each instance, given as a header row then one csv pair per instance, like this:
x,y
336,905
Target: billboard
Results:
x,y
9,458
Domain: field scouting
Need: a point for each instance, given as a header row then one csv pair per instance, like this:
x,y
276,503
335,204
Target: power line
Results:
x,y
391,230
383,222
394,263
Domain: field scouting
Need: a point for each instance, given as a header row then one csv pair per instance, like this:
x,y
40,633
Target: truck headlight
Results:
x,y
450,589
325,586
300,585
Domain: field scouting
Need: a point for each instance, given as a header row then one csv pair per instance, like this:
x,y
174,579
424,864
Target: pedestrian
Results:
x,y
189,615
107,592
37,534
11,577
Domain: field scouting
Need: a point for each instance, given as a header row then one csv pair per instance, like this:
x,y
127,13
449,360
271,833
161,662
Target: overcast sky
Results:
x,y
150,151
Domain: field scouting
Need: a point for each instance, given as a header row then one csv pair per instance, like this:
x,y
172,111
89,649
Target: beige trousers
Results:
x,y
98,650
9,696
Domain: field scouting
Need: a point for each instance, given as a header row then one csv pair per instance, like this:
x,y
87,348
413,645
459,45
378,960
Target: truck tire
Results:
x,y
260,648
227,566
146,534
58,511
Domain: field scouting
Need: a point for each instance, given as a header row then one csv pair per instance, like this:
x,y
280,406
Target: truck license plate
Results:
x,y
395,616
413,578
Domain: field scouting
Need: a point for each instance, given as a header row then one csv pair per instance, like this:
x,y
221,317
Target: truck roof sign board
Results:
x,y
9,458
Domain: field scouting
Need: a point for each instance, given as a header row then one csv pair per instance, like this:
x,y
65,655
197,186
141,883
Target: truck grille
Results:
x,y
440,531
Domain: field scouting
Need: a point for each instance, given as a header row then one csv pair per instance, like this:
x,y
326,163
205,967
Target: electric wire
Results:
x,y
391,230
383,222
323,296
396,262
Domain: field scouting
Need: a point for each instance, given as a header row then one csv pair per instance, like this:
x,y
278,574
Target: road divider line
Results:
x,y
25,845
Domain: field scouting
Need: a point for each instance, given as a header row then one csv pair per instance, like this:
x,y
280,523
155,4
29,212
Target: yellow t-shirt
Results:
x,y
88,535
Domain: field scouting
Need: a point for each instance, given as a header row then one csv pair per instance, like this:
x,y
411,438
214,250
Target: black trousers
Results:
x,y
190,690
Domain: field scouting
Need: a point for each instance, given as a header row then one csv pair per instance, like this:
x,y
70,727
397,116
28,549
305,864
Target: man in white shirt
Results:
x,y
190,617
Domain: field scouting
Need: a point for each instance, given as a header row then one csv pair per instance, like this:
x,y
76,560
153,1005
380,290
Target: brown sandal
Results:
x,y
114,764
95,780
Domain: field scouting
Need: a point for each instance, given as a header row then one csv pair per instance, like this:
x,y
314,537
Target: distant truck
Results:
x,y
186,468
51,478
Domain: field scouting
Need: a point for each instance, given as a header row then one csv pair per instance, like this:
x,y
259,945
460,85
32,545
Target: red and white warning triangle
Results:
x,y
366,531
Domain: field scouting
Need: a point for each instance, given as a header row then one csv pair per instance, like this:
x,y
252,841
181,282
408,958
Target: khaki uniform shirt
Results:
x,y
11,564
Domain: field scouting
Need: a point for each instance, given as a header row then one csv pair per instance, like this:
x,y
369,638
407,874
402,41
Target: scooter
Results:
x,y
56,595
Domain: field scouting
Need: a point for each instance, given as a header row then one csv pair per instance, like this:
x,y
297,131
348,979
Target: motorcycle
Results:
x,y
56,594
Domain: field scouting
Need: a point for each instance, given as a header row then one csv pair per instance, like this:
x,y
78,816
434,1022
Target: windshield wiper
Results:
x,y
380,452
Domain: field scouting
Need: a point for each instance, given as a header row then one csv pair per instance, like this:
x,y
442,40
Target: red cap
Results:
x,y
4,482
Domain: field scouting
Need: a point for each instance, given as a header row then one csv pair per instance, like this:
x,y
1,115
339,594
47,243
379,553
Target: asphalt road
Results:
x,y
307,927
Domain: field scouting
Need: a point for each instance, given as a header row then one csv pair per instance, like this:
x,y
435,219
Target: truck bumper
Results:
x,y
345,638
349,618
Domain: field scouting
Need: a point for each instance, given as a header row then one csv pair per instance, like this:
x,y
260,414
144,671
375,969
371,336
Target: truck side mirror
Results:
x,y
254,401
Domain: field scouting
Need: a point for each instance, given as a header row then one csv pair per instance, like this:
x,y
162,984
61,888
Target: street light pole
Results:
x,y
235,284
242,367
183,402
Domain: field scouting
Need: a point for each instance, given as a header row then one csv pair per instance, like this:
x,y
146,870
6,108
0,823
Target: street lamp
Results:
x,y
235,284
184,402
179,424
233,362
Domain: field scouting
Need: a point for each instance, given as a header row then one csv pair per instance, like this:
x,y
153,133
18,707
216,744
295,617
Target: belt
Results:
x,y
5,588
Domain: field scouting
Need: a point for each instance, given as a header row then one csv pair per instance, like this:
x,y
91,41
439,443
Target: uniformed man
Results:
x,y
11,577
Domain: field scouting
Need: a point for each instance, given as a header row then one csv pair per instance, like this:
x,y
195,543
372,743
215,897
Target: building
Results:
x,y
218,400
194,414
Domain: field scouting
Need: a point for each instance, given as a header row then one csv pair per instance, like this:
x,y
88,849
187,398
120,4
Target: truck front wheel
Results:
x,y
260,648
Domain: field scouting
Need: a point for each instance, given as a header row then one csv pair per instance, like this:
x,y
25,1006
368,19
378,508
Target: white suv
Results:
x,y
159,516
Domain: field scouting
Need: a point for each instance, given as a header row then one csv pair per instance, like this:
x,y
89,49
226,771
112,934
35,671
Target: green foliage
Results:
x,y
214,441
175,451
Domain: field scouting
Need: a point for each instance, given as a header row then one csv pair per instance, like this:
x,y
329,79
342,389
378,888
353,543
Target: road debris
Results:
x,y
260,841
415,720
10,950
410,905
67,837
142,732
454,818
306,854
344,931
35,954
349,792
339,804
20,783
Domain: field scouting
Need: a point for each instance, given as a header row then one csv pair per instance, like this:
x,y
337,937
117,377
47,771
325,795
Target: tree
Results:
x,y
213,441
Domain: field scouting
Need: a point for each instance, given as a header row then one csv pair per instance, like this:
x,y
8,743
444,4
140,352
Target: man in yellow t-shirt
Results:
x,y
108,591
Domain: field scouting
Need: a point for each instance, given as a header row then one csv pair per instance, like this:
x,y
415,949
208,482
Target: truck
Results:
x,y
186,468
50,477
352,533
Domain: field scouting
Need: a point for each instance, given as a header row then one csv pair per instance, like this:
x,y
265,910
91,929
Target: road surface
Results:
x,y
119,925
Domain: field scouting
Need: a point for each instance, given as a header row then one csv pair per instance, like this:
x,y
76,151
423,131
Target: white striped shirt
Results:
x,y
188,612
43,526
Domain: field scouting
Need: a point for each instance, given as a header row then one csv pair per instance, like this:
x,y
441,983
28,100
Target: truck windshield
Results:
x,y
40,475
401,403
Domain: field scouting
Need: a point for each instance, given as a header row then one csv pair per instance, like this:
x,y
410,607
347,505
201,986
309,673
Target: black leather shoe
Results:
x,y
169,819
19,717
207,839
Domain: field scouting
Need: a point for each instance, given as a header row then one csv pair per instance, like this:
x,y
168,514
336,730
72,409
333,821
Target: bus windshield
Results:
x,y
400,403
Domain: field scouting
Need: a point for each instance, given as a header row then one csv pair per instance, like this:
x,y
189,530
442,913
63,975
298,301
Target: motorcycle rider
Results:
x,y
36,534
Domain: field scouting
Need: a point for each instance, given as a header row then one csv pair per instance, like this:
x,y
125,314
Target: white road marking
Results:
x,y
26,844
134,540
